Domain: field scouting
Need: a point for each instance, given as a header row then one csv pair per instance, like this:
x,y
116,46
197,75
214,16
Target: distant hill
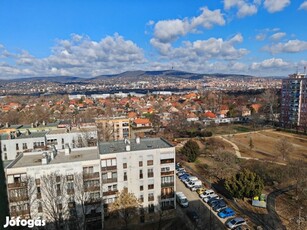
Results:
x,y
128,75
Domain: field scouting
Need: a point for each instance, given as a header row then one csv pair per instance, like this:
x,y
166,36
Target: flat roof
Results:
x,y
82,154
23,135
145,144
73,130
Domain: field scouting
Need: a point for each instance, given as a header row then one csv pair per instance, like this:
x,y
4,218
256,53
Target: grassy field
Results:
x,y
265,145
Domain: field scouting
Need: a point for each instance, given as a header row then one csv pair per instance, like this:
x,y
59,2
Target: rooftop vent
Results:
x,y
45,159
67,150
128,148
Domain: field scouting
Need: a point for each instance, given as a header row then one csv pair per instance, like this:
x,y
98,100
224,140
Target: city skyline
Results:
x,y
261,38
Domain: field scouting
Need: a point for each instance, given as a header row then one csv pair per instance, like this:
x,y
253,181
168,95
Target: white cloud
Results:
x,y
277,36
79,56
303,6
244,7
274,64
260,37
167,31
203,50
292,46
275,5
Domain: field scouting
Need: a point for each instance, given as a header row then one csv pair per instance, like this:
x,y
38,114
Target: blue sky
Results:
x,y
90,38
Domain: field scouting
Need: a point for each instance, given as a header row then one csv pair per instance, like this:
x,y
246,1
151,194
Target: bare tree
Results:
x,y
86,198
106,130
271,99
126,206
55,205
284,148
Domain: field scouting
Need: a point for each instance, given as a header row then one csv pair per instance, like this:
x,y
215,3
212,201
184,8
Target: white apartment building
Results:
x,y
16,142
89,178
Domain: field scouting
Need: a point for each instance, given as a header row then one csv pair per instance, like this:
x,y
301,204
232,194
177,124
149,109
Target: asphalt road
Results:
x,y
207,221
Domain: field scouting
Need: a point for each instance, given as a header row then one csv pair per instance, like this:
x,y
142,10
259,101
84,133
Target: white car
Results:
x,y
235,222
207,193
207,198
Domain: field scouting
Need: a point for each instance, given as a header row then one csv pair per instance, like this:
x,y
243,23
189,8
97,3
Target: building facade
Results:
x,y
113,128
76,186
294,102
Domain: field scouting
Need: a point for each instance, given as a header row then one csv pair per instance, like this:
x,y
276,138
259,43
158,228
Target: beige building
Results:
x,y
113,128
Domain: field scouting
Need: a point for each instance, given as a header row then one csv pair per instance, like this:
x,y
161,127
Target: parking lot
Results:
x,y
207,220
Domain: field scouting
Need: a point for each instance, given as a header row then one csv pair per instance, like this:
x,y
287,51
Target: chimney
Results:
x,y
138,140
28,132
128,148
67,150
45,159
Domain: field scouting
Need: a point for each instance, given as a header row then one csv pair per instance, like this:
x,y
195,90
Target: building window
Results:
x,y
151,197
70,177
141,187
150,173
141,199
124,165
140,163
5,156
4,147
141,174
150,186
150,162
151,208
17,147
24,146
125,176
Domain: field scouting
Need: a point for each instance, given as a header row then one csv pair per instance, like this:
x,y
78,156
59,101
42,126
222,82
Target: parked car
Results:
x,y
227,212
190,179
214,200
220,206
181,173
180,170
184,176
200,190
192,184
235,222
207,193
182,199
207,198
193,216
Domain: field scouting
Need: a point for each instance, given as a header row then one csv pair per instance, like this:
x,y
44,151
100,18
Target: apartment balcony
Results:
x,y
109,193
168,173
17,185
151,198
109,168
20,212
18,198
43,147
87,176
167,196
92,201
92,188
109,180
169,184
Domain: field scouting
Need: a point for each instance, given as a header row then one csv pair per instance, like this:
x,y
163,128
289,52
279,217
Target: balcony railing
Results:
x,y
92,188
167,173
109,180
17,185
90,175
109,168
167,196
18,198
108,193
20,213
168,184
